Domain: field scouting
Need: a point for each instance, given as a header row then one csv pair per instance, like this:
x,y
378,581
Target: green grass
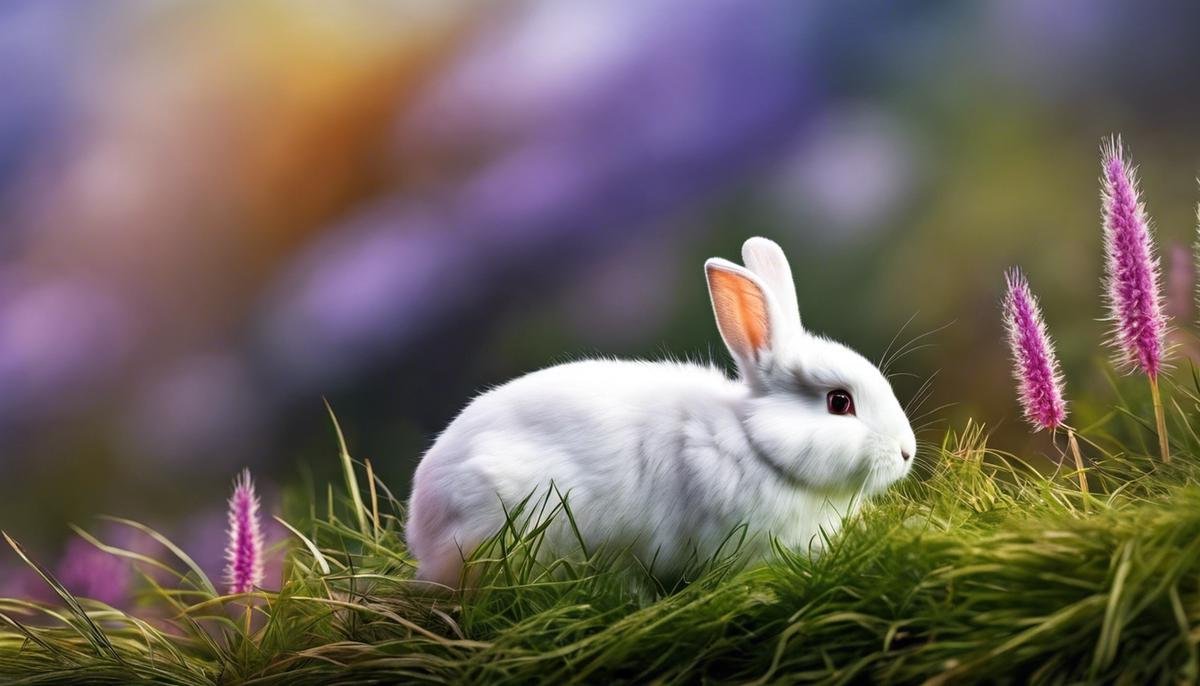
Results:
x,y
978,568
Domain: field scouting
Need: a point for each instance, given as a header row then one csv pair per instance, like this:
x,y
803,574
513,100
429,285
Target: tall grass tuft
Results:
x,y
1132,278
244,550
1035,366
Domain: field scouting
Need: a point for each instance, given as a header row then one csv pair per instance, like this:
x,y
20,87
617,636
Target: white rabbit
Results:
x,y
666,459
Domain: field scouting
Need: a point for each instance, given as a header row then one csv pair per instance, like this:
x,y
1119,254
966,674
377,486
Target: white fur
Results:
x,y
666,459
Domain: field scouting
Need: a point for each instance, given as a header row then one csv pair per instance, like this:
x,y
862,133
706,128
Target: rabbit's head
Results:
x,y
819,414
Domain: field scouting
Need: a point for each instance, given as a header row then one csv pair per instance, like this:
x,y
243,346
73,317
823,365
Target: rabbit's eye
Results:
x,y
839,402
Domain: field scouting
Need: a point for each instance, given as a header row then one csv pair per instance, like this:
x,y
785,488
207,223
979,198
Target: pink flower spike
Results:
x,y
1131,268
244,553
1039,381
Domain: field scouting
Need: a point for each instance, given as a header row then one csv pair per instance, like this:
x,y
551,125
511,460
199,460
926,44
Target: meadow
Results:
x,y
978,567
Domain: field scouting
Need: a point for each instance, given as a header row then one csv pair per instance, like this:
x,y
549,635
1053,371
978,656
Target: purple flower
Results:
x,y
1039,381
244,552
1131,269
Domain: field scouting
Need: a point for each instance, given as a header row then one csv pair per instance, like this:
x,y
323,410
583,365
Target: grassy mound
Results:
x,y
979,568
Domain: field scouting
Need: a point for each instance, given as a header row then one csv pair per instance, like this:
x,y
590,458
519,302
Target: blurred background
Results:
x,y
213,214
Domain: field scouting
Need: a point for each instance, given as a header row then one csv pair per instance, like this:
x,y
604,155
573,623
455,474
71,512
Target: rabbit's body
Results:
x,y
665,460
653,458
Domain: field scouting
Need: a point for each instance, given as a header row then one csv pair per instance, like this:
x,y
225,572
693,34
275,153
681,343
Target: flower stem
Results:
x,y
248,613
1074,445
1160,420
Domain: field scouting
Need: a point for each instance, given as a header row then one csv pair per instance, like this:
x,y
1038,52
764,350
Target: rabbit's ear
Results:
x,y
744,311
765,258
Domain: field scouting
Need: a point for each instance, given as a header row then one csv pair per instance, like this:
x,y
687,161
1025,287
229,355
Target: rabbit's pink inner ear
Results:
x,y
741,310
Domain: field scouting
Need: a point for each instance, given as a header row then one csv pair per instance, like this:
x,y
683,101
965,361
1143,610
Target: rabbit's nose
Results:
x,y
905,454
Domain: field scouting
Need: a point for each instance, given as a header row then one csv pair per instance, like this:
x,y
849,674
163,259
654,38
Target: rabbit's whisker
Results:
x,y
910,347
